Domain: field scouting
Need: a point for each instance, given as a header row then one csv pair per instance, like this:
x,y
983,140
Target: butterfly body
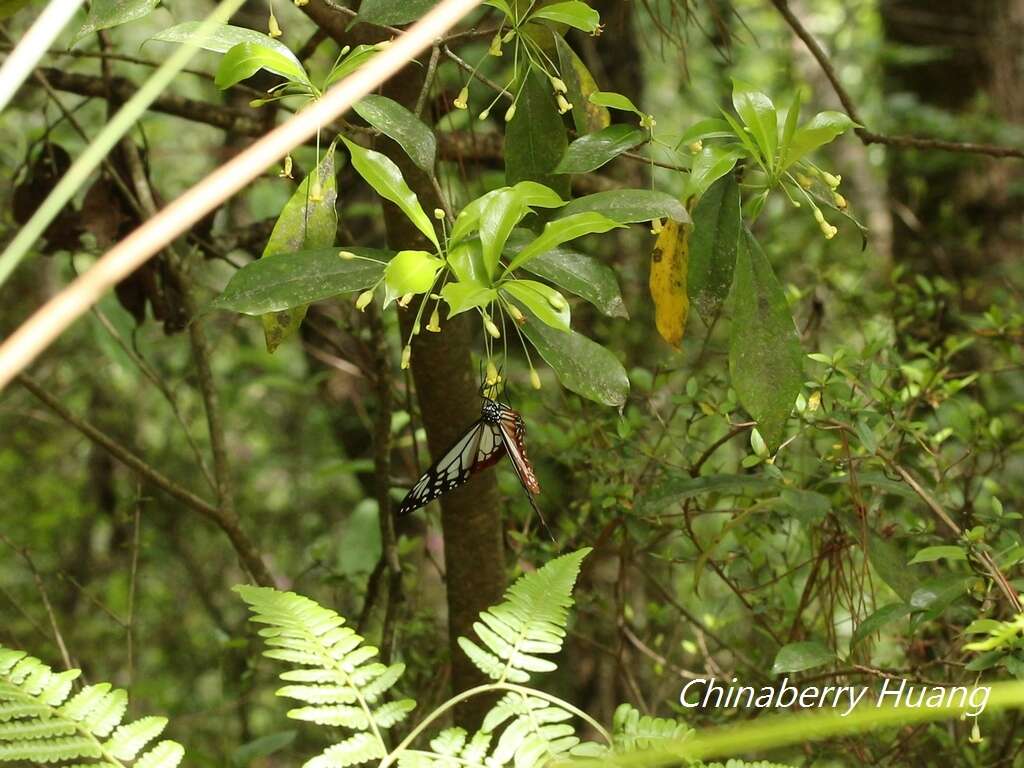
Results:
x,y
498,431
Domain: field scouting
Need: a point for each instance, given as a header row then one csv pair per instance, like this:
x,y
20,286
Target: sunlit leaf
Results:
x,y
573,12
105,14
547,304
796,657
246,59
590,152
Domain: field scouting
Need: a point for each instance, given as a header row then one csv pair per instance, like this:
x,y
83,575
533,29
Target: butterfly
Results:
x,y
498,431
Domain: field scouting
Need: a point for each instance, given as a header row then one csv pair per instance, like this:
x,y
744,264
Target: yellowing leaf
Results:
x,y
669,263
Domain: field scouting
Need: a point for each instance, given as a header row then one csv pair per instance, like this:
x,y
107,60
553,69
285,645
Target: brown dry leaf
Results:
x,y
669,263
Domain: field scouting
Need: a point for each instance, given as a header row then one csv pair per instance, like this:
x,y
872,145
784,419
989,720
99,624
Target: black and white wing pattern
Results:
x,y
476,450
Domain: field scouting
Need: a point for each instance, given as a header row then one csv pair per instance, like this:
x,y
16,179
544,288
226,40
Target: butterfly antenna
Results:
x,y
540,514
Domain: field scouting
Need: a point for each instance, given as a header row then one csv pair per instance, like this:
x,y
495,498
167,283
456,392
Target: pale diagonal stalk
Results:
x,y
33,46
100,147
40,330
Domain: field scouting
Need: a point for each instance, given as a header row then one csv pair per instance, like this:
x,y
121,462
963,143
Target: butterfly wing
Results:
x,y
513,435
476,450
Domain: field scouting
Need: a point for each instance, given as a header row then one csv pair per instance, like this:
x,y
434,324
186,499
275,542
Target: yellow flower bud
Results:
x,y
344,51
462,100
839,200
556,301
563,105
300,3
975,733
493,377
438,214
804,181
819,216
656,227
832,181
491,328
406,356
485,114
508,36
559,85
697,146
495,49
316,191
516,315
510,113
404,301
286,171
346,255
364,300
272,26
434,326
534,378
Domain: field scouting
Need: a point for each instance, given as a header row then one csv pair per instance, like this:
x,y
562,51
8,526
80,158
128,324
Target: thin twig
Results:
x,y
870,137
54,627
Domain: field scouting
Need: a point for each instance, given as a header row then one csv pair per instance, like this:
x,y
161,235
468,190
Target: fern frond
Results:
x,y
361,748
339,680
531,620
632,731
40,724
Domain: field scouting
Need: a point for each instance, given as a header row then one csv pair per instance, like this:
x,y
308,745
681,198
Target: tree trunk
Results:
x,y
447,390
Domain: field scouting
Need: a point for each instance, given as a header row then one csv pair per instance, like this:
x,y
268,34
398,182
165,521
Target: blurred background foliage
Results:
x,y
709,556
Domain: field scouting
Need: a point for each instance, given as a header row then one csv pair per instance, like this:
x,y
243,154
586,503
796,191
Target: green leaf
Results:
x,y
166,754
398,123
796,657
296,279
931,554
535,138
587,116
410,272
304,224
758,113
462,296
467,262
498,218
542,300
223,38
104,14
590,152
581,365
393,12
890,565
614,100
820,130
717,222
386,179
789,128
246,59
677,488
765,359
530,192
580,275
629,206
711,163
352,61
559,231
574,13
702,129
884,615
261,747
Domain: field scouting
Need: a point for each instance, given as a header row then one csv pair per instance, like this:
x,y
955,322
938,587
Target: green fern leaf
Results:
x,y
393,712
361,748
632,731
476,750
39,724
166,754
449,742
531,620
132,738
340,681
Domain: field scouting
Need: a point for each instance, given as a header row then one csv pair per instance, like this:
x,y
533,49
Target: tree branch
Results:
x,y
247,552
870,137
